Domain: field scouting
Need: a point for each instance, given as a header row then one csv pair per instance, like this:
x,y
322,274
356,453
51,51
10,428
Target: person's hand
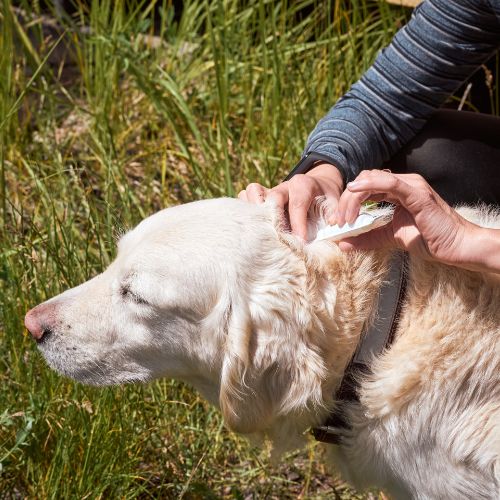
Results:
x,y
295,196
423,222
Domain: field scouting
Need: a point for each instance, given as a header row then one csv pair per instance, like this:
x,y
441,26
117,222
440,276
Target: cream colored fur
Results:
x,y
217,294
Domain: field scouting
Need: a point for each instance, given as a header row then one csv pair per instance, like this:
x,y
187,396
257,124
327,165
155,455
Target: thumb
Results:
x,y
382,237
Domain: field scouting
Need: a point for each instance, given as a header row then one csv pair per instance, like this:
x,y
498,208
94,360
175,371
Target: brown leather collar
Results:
x,y
375,339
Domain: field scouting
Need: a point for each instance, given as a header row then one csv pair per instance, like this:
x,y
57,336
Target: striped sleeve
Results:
x,y
444,43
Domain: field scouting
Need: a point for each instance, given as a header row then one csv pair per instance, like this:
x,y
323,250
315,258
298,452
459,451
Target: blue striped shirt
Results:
x,y
441,46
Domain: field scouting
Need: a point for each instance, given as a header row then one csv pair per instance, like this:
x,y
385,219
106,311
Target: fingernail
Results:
x,y
355,184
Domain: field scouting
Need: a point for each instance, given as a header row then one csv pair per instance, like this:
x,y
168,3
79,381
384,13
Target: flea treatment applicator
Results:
x,y
365,222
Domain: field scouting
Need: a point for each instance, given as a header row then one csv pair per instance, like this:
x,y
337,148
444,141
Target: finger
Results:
x,y
301,194
349,205
298,217
393,185
353,205
279,195
375,198
256,193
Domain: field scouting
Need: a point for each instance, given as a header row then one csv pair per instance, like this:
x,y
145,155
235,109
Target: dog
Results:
x,y
218,294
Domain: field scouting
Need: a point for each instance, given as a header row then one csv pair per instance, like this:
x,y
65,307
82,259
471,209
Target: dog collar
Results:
x,y
377,337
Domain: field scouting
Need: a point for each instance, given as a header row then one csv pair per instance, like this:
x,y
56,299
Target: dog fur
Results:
x,y
217,294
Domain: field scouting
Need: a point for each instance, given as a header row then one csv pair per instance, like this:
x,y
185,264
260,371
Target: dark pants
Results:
x,y
458,153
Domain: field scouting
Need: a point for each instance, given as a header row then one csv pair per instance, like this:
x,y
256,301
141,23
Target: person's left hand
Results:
x,y
295,196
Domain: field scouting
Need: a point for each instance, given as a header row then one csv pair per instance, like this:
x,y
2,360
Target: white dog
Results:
x,y
215,293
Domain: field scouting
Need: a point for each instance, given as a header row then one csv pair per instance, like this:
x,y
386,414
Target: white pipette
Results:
x,y
365,222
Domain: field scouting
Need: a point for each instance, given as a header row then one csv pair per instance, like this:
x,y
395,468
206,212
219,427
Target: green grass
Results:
x,y
88,147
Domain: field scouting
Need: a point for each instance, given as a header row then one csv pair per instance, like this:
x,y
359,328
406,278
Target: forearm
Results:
x,y
444,42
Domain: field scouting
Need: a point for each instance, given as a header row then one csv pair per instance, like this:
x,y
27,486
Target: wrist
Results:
x,y
327,170
482,251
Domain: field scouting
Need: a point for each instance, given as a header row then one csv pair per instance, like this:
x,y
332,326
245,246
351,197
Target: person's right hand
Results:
x,y
423,223
295,196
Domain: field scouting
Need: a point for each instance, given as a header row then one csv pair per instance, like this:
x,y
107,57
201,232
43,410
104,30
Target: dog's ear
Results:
x,y
271,367
242,406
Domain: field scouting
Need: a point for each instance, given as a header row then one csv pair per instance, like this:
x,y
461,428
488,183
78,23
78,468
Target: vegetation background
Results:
x,y
109,112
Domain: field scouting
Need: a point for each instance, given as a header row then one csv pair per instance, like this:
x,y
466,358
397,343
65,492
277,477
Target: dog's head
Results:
x,y
212,292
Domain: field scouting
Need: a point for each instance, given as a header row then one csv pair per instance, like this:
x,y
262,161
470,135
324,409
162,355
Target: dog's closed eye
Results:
x,y
127,294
